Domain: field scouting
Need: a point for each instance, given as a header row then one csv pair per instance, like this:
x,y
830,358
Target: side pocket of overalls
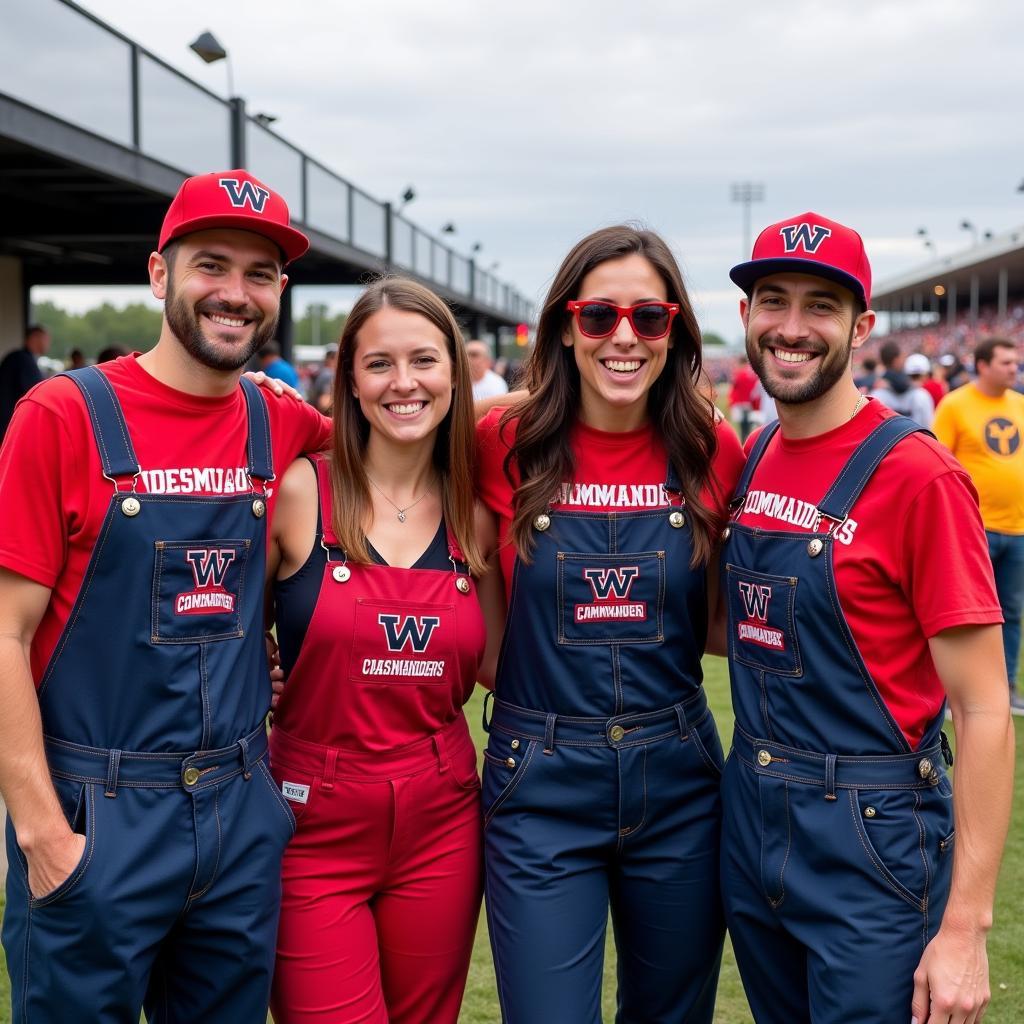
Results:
x,y
892,830
78,801
704,736
505,768
285,804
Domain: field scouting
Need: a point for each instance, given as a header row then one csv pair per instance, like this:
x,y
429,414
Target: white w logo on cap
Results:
x,y
244,194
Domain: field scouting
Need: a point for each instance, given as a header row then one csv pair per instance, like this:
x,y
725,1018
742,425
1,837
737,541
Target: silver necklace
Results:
x,y
401,511
860,402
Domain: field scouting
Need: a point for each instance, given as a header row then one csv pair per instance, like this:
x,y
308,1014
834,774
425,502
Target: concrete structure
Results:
x,y
96,135
987,274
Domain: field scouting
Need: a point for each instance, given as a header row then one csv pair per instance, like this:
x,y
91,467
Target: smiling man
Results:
x,y
860,599
145,832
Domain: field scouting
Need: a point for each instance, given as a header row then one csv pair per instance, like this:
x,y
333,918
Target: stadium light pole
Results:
x,y
746,193
966,225
211,51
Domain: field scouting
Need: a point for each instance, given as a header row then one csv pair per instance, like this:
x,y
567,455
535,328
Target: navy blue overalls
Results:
x,y
836,844
153,707
601,776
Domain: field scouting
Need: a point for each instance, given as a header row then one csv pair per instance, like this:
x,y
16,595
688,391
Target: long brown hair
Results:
x,y
682,417
453,446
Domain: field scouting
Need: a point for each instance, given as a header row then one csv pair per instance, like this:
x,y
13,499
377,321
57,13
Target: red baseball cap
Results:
x,y
809,244
232,199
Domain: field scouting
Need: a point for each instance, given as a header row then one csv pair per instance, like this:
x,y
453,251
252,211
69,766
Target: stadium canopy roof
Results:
x,y
985,274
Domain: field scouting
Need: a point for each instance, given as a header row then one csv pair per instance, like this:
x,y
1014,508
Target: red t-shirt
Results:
x,y
935,389
910,561
614,471
53,492
743,383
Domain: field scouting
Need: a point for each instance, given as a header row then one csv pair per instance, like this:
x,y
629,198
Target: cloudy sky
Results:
x,y
530,123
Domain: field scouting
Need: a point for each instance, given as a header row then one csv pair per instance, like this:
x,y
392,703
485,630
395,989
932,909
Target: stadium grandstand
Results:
x,y
948,305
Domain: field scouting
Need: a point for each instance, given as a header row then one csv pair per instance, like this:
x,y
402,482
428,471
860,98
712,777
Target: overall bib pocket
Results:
x,y
611,599
197,590
762,622
403,643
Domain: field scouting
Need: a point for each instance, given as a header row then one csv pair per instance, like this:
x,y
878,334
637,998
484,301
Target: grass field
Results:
x,y
1006,944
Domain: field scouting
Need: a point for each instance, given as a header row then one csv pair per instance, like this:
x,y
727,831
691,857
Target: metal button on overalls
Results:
x,y
616,733
190,776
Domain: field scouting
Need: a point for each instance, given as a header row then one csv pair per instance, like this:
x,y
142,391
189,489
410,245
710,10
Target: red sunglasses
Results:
x,y
650,320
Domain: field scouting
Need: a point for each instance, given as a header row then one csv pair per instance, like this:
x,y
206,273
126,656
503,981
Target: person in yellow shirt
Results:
x,y
982,424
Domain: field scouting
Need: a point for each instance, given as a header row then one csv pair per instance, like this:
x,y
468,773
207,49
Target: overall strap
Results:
x,y
108,423
454,551
758,450
862,464
322,465
257,447
673,487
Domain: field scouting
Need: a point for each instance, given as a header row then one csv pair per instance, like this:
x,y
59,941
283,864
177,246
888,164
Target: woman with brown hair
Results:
x,y
375,547
602,769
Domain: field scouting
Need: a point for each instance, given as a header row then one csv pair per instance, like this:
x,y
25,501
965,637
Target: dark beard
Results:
x,y
184,323
830,370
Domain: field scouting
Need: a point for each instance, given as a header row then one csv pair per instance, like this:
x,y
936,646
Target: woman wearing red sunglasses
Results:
x,y
602,767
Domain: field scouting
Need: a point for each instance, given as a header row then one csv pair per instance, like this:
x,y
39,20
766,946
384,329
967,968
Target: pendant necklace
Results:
x,y
401,511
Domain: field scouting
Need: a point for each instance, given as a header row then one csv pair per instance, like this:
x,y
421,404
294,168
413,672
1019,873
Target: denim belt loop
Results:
x,y
684,728
484,721
330,765
441,749
243,745
830,776
549,733
113,763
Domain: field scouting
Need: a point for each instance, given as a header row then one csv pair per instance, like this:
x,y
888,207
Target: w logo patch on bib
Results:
x,y
754,629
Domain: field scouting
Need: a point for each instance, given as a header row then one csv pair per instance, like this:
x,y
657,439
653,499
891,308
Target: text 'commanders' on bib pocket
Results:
x,y
403,642
762,624
611,599
197,590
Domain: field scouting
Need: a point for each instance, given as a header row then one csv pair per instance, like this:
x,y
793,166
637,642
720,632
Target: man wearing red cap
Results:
x,y
145,832
843,895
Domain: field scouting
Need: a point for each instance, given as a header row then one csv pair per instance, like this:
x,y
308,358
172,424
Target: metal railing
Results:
x,y
65,62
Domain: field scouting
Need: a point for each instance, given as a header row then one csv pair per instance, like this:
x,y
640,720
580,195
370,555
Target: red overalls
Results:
x,y
382,882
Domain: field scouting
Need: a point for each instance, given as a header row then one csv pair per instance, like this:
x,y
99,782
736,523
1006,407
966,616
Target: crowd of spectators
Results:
x,y
947,348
